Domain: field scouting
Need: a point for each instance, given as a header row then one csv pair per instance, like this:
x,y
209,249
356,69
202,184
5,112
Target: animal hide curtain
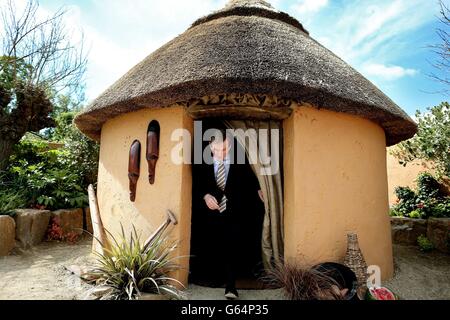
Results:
x,y
262,141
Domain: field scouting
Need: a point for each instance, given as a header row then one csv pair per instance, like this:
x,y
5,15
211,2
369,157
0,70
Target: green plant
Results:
x,y
432,142
81,153
11,200
427,201
37,58
442,209
131,269
407,200
416,214
424,243
427,186
50,178
48,185
395,213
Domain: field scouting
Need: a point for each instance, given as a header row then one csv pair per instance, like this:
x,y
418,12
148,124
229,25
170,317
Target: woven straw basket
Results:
x,y
354,259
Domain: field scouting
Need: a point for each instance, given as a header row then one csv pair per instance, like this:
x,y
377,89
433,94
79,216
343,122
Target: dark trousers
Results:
x,y
227,255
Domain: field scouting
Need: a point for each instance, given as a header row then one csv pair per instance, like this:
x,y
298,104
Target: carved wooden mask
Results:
x,y
152,149
134,164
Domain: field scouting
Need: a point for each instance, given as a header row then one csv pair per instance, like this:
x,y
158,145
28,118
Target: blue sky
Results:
x,y
385,40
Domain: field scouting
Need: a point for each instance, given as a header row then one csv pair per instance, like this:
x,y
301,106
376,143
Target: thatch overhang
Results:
x,y
247,48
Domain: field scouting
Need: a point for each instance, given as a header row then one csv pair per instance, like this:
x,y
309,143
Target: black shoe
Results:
x,y
231,294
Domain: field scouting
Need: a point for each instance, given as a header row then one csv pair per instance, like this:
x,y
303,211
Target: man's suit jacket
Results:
x,y
241,189
238,228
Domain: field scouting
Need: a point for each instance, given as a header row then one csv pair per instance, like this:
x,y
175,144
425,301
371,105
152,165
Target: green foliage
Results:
x,y
407,201
427,186
10,200
53,177
82,153
432,142
442,209
395,213
45,177
427,201
425,244
417,214
12,72
129,268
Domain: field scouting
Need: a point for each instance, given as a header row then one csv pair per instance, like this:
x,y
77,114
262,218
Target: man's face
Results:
x,y
220,149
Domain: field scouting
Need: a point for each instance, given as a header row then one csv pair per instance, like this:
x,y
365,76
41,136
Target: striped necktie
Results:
x,y
221,182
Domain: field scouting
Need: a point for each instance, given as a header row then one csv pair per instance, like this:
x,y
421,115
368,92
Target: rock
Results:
x,y
99,293
31,226
88,220
70,221
439,233
7,235
84,272
407,230
153,296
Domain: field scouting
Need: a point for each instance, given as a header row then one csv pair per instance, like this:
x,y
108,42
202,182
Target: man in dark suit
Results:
x,y
227,200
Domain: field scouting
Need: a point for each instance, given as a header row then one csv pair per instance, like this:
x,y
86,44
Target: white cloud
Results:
x,y
388,72
370,30
309,6
120,35
365,33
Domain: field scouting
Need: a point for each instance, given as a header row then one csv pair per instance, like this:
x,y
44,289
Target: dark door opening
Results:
x,y
214,235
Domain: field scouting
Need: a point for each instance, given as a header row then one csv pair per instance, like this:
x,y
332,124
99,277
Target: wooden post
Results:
x,y
100,241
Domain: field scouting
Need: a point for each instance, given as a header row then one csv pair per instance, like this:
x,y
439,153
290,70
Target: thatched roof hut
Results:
x,y
247,47
249,61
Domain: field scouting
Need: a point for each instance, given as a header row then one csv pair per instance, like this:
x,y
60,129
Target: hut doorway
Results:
x,y
251,235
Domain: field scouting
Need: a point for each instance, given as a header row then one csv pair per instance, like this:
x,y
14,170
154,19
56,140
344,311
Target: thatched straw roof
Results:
x,y
247,47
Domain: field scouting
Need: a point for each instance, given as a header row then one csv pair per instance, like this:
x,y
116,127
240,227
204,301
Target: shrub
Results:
x,y
442,209
81,152
129,268
432,142
425,244
416,214
407,201
427,186
427,201
394,213
48,183
11,200
53,178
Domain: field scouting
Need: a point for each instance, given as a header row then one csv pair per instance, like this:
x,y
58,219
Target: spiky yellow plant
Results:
x,y
130,269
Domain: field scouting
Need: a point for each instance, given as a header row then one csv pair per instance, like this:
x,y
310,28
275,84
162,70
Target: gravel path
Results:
x,y
420,276
41,273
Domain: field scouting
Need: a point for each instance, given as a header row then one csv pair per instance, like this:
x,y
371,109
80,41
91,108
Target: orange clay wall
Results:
x,y
172,188
404,176
335,182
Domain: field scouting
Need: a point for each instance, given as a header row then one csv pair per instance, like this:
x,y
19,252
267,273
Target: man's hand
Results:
x,y
261,195
211,202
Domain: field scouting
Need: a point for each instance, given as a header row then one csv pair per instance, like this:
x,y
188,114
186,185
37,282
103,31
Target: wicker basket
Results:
x,y
354,259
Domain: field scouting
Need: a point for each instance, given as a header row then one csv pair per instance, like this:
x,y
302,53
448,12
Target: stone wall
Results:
x,y
28,227
406,231
7,235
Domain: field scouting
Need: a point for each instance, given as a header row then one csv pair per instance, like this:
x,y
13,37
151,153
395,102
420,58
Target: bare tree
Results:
x,y
37,60
442,49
